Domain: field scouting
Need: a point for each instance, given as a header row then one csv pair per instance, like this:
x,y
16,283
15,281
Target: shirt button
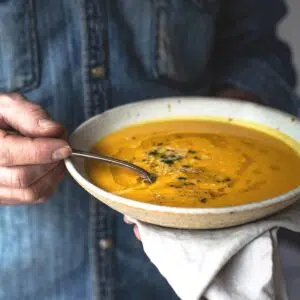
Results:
x,y
106,243
98,72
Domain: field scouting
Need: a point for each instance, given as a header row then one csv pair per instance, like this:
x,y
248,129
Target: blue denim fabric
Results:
x,y
51,52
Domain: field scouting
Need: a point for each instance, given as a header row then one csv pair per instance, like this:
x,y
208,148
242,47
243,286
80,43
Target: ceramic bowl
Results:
x,y
254,115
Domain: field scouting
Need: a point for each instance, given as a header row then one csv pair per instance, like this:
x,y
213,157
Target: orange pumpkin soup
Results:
x,y
199,163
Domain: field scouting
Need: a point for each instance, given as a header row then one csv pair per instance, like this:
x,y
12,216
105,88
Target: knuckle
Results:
x,y
34,151
5,157
36,109
14,97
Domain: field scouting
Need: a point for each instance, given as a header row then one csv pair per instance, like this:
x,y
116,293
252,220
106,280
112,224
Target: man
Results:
x,y
77,58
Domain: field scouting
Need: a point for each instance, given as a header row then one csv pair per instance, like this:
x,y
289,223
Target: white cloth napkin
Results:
x,y
240,263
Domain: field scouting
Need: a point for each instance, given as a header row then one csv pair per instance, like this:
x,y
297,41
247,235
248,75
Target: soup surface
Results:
x,y
199,163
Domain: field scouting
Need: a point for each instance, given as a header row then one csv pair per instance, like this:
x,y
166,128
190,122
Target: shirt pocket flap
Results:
x,y
18,46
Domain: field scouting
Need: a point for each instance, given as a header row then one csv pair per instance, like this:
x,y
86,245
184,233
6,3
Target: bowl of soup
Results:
x,y
219,162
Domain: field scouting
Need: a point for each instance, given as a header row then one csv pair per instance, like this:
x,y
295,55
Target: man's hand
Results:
x,y
30,163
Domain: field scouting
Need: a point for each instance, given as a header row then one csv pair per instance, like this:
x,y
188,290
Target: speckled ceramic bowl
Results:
x,y
249,114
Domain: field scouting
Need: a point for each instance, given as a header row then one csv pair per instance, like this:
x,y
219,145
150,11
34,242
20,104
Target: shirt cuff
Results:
x,y
257,76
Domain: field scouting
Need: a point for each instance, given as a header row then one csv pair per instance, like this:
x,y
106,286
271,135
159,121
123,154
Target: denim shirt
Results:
x,y
77,58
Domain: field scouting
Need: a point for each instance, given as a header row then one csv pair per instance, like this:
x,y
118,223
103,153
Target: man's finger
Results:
x,y
18,151
136,232
23,176
36,193
26,117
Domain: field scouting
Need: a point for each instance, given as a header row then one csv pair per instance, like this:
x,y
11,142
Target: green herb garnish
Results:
x,y
153,152
186,166
167,161
188,183
192,152
170,159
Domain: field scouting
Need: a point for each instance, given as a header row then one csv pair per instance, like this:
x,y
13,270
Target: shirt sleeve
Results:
x,y
249,55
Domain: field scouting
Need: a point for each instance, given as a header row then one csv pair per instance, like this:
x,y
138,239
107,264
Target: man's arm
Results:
x,y
250,62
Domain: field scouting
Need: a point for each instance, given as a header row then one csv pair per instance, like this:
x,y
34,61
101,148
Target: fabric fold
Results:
x,y
239,263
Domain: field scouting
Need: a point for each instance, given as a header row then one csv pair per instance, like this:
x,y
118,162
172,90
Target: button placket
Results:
x,y
96,84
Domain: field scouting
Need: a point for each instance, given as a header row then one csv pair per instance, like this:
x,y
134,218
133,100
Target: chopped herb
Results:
x,y
197,158
144,160
188,183
186,166
159,144
174,186
167,156
153,153
167,161
227,179
192,152
181,178
203,200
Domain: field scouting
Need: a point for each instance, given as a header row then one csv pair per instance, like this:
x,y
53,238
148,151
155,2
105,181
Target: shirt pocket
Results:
x,y
18,46
183,41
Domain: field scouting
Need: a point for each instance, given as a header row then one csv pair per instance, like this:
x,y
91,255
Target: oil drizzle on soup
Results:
x,y
199,164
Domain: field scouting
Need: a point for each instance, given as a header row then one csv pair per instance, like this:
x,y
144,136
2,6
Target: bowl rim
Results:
x,y
173,209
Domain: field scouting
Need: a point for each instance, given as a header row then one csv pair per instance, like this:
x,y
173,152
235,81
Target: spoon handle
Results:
x,y
146,175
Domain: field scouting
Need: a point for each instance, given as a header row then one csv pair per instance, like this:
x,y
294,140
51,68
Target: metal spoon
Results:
x,y
149,177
